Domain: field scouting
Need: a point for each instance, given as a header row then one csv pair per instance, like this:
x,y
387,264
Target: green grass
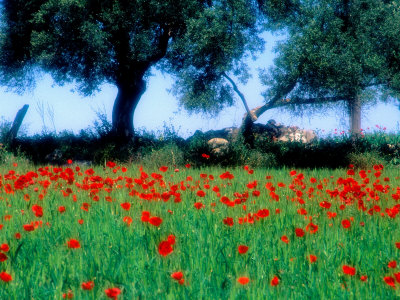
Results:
x,y
113,254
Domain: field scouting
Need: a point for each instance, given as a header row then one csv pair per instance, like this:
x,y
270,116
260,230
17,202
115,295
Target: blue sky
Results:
x,y
158,107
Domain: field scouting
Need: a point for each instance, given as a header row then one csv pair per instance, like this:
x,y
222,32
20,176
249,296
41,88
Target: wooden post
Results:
x,y
12,134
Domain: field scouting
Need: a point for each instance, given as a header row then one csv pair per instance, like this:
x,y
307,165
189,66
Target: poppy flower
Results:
x,y
61,209
312,258
198,205
155,221
201,193
145,216
346,223
73,244
205,156
68,295
349,270
87,285
228,221
274,281
3,257
4,247
389,281
126,205
37,210
243,280
165,248
397,245
397,277
285,239
312,228
28,227
242,249
171,239
127,220
163,169
325,204
4,276
110,164
177,275
299,232
363,278
113,292
392,264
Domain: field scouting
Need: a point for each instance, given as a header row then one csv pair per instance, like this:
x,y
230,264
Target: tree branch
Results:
x,y
240,94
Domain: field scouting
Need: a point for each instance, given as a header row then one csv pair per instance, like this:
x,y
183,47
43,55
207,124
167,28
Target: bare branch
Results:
x,y
240,94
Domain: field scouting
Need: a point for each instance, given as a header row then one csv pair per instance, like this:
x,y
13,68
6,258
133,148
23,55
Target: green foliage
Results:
x,y
337,50
365,160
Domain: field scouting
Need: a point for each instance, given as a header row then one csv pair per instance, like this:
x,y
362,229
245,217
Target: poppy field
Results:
x,y
124,232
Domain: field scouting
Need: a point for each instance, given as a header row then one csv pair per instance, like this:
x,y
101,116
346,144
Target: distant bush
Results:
x,y
97,145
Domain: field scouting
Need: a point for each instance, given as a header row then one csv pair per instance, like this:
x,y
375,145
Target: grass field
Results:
x,y
126,233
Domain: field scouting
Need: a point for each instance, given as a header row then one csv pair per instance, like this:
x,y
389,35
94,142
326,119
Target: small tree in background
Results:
x,y
336,50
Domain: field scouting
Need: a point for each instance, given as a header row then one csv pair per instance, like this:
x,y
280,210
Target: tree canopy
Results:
x,y
336,50
91,42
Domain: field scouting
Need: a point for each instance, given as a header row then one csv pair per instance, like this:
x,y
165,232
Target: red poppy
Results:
x,y
346,223
228,221
145,216
187,166
198,205
113,292
69,161
312,228
205,156
165,248
274,281
389,281
392,264
397,245
4,247
363,278
37,210
349,270
312,258
285,239
163,169
111,164
201,193
397,277
243,249
3,257
155,221
87,285
299,232
28,227
177,275
243,280
68,295
171,239
325,204
73,244
61,209
127,220
126,205
4,276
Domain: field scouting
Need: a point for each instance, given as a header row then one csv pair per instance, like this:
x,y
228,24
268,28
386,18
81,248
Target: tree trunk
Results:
x,y
355,115
124,107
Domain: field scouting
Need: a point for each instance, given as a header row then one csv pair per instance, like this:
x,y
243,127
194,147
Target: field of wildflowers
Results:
x,y
124,232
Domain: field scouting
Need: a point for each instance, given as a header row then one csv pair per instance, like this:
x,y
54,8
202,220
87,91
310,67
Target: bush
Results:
x,y
365,160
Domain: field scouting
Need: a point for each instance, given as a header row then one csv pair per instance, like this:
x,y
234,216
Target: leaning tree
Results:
x,y
91,42
335,50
